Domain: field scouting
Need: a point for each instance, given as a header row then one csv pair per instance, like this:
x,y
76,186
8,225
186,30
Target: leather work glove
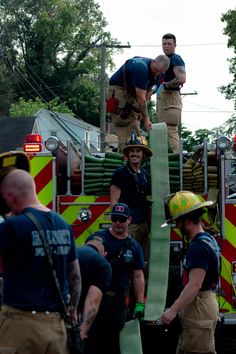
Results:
x,y
160,89
139,310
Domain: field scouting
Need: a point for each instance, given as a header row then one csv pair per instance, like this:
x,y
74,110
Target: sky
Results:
x,y
200,42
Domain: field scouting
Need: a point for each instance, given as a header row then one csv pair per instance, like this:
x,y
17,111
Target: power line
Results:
x,y
200,105
209,111
179,45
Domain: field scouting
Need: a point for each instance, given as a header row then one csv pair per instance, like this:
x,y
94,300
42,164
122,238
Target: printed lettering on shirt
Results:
x,y
128,256
58,240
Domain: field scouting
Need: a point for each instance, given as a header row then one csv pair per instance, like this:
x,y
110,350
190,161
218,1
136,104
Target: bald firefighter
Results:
x,y
30,316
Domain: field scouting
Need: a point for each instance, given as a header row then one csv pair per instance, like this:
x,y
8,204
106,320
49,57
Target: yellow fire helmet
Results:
x,y
182,203
135,141
8,162
11,160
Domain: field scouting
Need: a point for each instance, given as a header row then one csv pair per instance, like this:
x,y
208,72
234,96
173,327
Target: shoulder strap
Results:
x,y
211,242
50,260
134,174
125,246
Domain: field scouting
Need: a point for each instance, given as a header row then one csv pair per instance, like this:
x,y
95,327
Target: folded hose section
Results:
x,y
130,338
160,237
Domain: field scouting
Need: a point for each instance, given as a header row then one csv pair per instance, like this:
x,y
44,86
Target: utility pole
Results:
x,y
183,95
103,88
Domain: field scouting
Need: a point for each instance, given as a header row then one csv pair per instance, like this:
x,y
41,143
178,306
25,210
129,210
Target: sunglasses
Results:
x,y
121,219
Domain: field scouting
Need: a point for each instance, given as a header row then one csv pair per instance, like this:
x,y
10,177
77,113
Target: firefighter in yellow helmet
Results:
x,y
130,184
196,305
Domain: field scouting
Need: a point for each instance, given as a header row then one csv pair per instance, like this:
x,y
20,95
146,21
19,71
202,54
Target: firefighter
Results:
x,y
126,258
196,305
30,316
130,87
169,101
130,184
96,276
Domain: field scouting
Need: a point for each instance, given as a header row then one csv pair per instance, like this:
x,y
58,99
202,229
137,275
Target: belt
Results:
x,y
9,310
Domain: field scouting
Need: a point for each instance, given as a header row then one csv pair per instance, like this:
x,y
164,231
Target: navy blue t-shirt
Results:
x,y
134,188
130,259
175,60
201,255
138,74
95,270
28,282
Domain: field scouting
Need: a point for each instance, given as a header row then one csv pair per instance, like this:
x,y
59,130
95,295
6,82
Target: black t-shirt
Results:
x,y
28,283
134,188
95,270
125,256
138,74
200,254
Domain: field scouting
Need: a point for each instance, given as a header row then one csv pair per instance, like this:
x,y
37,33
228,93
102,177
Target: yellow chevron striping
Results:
x,y
71,212
37,163
223,304
226,269
45,195
95,226
230,231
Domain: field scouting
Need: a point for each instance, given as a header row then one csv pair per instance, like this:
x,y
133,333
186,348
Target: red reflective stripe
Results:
x,y
96,210
43,177
228,251
227,290
67,199
230,211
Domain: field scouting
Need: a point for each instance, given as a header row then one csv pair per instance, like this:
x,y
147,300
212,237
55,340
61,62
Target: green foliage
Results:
x,y
54,48
152,111
23,108
229,18
228,129
191,139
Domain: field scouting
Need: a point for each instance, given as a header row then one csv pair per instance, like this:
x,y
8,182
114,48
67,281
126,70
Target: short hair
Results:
x,y
169,36
163,60
194,216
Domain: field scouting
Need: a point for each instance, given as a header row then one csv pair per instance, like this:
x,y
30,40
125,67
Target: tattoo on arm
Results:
x,y
177,81
89,316
74,280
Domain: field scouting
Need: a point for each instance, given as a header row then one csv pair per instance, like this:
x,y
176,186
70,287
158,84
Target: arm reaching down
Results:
x,y
74,280
91,306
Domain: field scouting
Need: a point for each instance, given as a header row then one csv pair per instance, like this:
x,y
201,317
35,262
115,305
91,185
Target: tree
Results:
x,y
191,139
6,89
52,45
23,108
230,29
230,90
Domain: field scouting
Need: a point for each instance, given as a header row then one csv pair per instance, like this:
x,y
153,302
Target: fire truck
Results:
x,y
76,185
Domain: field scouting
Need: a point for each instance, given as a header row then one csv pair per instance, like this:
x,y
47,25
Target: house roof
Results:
x,y
70,124
13,131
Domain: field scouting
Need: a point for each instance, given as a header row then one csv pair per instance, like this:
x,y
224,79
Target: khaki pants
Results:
x,y
124,127
199,320
25,332
169,107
